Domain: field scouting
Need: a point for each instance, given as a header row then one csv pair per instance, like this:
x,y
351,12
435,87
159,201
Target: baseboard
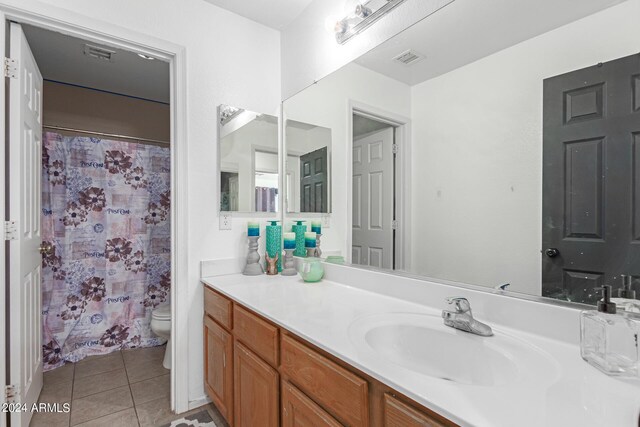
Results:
x,y
204,400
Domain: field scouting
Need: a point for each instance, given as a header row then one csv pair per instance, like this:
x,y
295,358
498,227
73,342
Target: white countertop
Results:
x,y
575,395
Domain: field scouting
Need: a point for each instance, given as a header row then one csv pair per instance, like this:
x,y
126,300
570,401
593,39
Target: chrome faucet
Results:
x,y
462,318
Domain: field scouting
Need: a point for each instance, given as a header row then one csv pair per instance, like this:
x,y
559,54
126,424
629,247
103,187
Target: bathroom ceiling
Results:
x,y
467,30
61,58
273,13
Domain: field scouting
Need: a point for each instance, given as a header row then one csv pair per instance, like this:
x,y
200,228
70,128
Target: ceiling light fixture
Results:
x,y
228,113
147,57
361,14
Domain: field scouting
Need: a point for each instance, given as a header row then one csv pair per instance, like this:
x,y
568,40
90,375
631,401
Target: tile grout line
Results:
x,y
125,367
73,381
107,415
126,371
101,391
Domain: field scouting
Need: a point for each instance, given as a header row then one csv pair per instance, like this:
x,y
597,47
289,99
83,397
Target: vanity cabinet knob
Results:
x,y
552,252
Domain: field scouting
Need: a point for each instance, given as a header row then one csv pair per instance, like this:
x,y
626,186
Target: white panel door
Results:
x,y
25,260
234,190
372,193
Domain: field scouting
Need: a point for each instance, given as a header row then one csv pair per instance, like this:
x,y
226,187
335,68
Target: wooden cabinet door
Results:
x,y
399,414
300,411
218,368
256,390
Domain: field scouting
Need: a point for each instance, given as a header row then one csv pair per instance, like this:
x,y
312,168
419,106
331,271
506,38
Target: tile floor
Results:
x,y
124,388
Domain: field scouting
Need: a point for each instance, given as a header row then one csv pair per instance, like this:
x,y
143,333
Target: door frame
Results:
x,y
53,18
402,125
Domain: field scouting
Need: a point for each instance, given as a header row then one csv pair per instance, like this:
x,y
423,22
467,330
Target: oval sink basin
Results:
x,y
423,344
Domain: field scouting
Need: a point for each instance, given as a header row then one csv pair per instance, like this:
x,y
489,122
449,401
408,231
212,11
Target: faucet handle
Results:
x,y
460,303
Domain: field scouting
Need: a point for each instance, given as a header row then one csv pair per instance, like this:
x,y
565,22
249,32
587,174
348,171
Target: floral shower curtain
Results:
x,y
266,199
105,210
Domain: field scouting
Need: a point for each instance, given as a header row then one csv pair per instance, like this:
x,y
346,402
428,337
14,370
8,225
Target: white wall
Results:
x,y
310,52
477,152
326,104
230,60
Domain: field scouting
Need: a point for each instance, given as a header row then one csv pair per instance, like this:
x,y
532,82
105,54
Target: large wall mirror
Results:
x,y
248,160
492,151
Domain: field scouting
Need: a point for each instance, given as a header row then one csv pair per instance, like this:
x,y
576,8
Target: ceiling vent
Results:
x,y
409,57
99,53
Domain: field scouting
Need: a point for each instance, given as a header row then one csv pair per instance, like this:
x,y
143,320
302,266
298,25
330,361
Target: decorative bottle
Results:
x,y
274,242
299,229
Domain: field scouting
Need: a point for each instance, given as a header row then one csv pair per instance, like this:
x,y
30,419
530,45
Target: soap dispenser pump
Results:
x,y
626,291
609,341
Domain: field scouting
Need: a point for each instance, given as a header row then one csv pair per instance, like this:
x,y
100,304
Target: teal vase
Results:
x,y
274,242
299,229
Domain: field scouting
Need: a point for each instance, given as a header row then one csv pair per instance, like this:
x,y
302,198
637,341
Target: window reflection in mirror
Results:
x,y
308,177
524,147
248,159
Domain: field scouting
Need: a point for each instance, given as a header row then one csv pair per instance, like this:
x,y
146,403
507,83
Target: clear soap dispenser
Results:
x,y
609,341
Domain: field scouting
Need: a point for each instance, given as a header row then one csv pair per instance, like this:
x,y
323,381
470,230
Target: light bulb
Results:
x,y
330,24
362,11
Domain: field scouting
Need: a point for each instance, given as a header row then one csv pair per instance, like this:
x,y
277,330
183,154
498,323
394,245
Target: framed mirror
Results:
x,y
248,161
307,168
498,150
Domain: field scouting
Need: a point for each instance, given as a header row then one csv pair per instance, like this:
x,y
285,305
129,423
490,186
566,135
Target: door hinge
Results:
x,y
395,148
10,68
395,224
10,393
11,230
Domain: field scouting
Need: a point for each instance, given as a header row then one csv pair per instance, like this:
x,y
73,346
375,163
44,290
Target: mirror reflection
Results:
x,y
482,155
308,177
248,153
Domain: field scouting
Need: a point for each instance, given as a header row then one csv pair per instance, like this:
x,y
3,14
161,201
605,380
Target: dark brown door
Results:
x,y
591,192
256,390
218,369
313,181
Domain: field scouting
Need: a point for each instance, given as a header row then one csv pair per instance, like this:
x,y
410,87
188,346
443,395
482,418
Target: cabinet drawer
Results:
x,y
399,414
217,307
257,334
300,411
338,391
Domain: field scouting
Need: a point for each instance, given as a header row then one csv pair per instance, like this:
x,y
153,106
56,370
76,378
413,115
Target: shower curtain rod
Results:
x,y
111,135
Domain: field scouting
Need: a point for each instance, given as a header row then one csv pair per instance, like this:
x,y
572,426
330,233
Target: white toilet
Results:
x,y
161,326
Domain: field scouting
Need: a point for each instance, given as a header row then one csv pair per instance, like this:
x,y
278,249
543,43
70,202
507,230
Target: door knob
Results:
x,y
46,248
552,252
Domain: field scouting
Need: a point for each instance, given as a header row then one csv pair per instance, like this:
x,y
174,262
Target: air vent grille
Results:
x,y
99,53
409,57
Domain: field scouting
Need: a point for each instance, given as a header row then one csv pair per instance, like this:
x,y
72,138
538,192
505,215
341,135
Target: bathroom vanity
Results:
x,y
260,373
354,350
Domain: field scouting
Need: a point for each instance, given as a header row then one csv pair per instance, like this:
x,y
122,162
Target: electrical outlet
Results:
x,y
326,220
225,221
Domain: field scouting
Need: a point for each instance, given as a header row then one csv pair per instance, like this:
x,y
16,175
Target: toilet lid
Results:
x,y
162,312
